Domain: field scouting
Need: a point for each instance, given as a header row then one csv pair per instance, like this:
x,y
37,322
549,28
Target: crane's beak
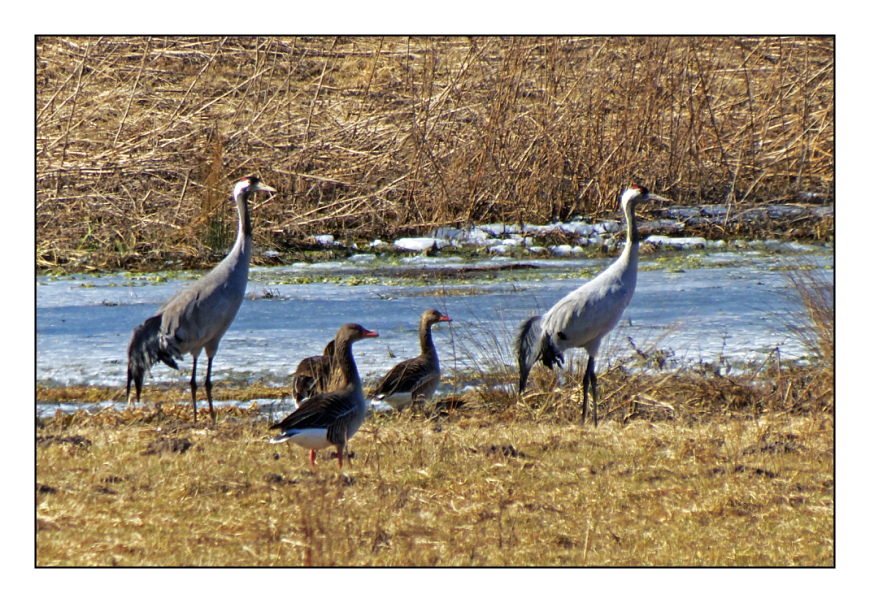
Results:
x,y
264,188
652,197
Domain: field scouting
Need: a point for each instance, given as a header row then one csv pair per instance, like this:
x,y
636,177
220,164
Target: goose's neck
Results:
x,y
345,364
427,346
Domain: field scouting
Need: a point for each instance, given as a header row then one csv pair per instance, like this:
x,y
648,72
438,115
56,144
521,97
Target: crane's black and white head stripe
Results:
x,y
250,184
634,194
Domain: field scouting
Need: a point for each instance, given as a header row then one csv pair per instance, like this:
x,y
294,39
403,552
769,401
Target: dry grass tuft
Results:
x,y
813,324
725,477
138,139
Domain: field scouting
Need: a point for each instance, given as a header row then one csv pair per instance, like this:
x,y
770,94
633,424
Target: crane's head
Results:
x,y
249,184
635,194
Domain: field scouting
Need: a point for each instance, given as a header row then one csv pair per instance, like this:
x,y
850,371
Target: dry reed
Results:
x,y
138,139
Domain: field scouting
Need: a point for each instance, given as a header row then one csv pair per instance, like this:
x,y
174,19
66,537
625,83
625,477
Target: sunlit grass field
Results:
x,y
481,486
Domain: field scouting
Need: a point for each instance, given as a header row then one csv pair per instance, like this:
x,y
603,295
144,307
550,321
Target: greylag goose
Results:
x,y
582,318
332,418
198,316
312,374
414,380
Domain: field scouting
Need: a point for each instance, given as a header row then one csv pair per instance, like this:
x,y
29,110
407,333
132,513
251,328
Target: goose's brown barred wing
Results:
x,y
312,374
333,411
408,376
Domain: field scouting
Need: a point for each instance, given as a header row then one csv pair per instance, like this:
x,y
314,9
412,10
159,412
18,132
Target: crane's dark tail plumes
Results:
x,y
550,354
143,352
533,345
528,347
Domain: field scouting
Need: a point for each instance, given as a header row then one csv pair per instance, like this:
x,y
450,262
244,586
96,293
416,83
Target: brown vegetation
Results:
x,y
695,467
138,139
738,475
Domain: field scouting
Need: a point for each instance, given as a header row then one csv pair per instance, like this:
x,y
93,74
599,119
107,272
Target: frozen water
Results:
x,y
677,242
733,307
324,239
561,250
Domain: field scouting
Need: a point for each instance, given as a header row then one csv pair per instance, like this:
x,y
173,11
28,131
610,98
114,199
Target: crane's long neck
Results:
x,y
239,257
244,237
632,237
631,251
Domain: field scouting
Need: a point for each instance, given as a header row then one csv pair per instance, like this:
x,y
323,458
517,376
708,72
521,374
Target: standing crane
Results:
x,y
197,316
582,318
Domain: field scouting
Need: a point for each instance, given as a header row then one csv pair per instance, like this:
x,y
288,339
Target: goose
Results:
x,y
332,418
312,374
416,379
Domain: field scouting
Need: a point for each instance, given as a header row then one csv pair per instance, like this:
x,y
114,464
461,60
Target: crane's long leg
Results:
x,y
589,377
137,385
208,389
594,381
193,388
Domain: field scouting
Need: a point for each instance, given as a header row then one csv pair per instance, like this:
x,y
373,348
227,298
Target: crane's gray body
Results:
x,y
197,317
582,318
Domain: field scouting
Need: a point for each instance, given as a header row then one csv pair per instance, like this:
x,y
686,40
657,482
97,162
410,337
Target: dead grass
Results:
x,y
157,393
813,323
138,139
482,486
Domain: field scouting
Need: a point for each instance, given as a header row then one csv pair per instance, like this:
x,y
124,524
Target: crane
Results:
x,y
582,318
334,417
197,316
416,379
